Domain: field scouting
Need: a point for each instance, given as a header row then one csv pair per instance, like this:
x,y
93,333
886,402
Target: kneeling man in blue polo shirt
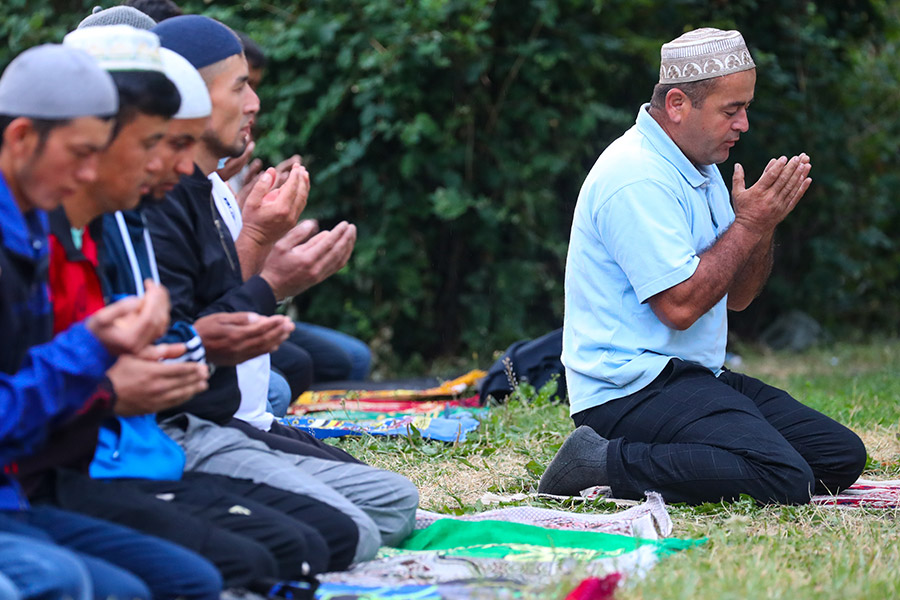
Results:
x,y
659,252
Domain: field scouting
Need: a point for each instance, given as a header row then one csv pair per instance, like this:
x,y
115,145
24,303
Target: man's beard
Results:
x,y
220,148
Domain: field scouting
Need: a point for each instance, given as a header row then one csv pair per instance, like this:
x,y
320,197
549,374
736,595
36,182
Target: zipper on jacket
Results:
x,y
217,218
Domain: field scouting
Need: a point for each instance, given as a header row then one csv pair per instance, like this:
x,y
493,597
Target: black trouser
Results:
x,y
293,441
697,438
250,531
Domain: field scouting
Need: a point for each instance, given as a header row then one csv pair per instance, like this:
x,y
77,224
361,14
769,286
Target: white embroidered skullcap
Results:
x,y
55,82
703,54
195,102
118,47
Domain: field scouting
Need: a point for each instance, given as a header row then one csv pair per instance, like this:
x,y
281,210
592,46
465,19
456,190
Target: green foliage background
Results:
x,y
456,135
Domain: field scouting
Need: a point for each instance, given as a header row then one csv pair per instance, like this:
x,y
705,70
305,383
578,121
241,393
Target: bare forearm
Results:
x,y
681,305
749,281
251,255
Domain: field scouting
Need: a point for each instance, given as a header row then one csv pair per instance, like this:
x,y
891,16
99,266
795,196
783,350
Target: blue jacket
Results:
x,y
135,447
42,382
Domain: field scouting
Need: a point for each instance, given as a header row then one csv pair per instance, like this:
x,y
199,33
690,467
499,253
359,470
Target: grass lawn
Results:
x,y
751,552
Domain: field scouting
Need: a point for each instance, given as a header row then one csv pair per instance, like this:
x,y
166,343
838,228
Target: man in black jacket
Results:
x,y
209,269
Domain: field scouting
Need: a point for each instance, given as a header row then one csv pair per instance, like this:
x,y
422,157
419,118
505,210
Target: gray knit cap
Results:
x,y
57,82
703,54
118,15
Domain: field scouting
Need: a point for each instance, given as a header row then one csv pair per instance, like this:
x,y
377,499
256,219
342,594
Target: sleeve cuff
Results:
x,y
671,279
261,294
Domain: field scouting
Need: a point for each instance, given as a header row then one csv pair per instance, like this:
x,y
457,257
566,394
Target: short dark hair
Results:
x,y
696,91
158,10
256,58
144,92
42,126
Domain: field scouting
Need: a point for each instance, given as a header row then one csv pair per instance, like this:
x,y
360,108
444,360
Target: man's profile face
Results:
x,y
64,164
708,133
235,105
177,153
130,165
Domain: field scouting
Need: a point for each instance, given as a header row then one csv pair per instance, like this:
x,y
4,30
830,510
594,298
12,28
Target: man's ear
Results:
x,y
20,138
677,105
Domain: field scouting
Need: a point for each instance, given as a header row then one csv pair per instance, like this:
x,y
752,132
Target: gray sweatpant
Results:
x,y
381,503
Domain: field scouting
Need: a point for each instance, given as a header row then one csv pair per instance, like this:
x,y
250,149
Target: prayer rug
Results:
x,y
343,591
455,590
447,410
530,543
450,390
451,429
491,569
454,558
864,493
649,520
587,495
355,405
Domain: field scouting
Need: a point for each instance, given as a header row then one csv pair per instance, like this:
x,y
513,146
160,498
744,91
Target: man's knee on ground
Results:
x,y
845,467
300,543
405,501
242,561
200,580
370,539
791,484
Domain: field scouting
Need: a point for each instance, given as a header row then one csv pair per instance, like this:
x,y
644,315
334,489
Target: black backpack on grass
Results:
x,y
532,361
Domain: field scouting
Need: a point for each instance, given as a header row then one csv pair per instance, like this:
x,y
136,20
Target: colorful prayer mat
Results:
x,y
450,429
457,590
864,493
504,559
399,567
441,409
425,407
343,591
649,520
529,543
354,399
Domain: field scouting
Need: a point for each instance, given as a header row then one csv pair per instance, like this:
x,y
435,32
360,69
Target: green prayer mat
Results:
x,y
519,542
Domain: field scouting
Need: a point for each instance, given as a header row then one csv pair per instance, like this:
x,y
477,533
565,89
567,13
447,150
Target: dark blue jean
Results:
x,y
279,396
695,438
335,356
34,568
122,562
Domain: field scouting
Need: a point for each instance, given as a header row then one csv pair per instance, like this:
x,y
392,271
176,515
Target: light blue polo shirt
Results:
x,y
644,215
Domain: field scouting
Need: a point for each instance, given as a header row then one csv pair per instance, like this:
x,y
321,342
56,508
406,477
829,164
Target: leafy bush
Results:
x,y
456,135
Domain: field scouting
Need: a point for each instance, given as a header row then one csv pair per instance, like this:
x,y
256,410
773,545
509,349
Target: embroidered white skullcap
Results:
x,y
55,82
195,102
118,47
703,54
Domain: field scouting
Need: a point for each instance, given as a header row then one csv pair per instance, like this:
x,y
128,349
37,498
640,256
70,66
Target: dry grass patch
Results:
x,y
882,443
447,482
